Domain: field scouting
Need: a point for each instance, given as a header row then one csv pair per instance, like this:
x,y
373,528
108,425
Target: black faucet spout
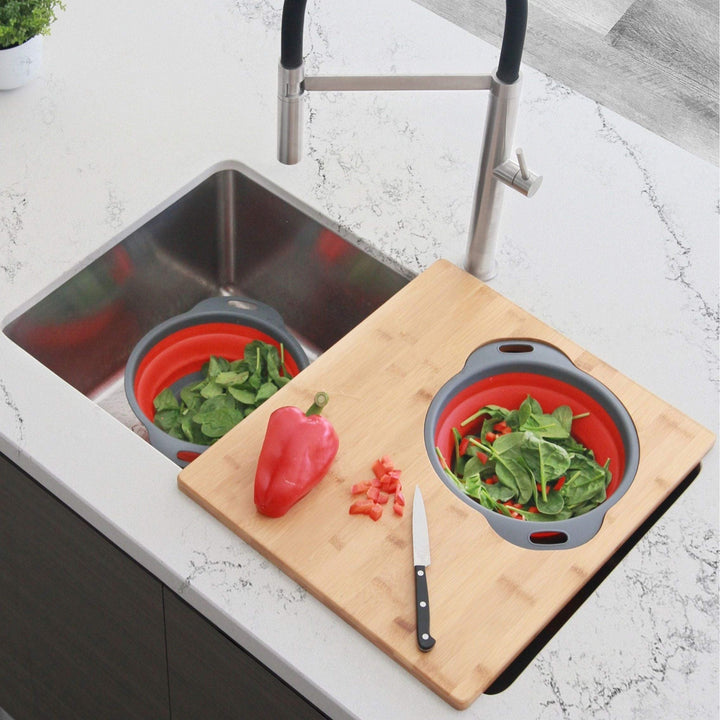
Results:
x,y
293,20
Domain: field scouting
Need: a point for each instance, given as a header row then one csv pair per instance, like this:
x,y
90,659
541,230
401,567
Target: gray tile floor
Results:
x,y
652,61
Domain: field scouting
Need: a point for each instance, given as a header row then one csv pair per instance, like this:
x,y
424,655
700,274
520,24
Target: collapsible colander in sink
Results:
x,y
504,373
172,355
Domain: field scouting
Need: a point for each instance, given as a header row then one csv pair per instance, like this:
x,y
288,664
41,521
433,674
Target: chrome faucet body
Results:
x,y
496,170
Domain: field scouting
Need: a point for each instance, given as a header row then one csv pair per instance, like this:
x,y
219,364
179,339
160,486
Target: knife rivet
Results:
x,y
420,573
423,604
425,636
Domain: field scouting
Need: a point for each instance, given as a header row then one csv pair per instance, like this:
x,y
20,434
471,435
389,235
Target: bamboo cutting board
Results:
x,y
488,597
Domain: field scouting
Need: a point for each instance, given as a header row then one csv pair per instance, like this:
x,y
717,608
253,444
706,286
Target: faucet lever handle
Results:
x,y
517,175
522,164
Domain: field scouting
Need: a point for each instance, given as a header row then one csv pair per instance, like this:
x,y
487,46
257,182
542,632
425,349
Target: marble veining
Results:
x,y
679,251
14,411
12,208
224,573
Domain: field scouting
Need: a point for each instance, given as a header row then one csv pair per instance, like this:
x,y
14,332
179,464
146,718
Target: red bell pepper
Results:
x,y
295,456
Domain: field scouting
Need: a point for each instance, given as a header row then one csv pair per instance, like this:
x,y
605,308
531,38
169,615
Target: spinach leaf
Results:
x,y
563,414
499,492
513,473
585,481
166,401
552,505
546,460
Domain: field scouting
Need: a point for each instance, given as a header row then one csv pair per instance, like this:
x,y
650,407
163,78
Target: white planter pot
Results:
x,y
20,64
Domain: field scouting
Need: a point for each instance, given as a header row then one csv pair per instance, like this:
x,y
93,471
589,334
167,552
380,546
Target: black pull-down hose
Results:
x,y
513,40
291,34
293,18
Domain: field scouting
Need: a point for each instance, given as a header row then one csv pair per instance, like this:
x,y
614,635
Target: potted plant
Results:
x,y
22,25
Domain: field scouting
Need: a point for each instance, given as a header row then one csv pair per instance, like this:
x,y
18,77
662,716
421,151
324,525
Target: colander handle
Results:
x,y
244,306
527,351
562,535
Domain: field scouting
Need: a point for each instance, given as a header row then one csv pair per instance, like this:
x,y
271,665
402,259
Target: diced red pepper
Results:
x,y
388,483
462,449
533,509
382,466
490,436
385,482
376,512
361,507
482,457
560,483
360,488
492,480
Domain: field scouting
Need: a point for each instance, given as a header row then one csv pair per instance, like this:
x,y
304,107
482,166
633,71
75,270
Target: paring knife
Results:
x,y
421,559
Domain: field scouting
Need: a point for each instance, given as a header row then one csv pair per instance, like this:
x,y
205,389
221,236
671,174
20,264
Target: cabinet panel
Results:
x,y
212,677
15,682
92,618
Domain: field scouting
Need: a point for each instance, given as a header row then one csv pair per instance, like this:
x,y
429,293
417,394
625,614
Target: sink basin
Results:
x,y
230,233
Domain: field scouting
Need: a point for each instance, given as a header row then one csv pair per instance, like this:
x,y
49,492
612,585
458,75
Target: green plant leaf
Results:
x,y
265,391
546,460
230,377
563,414
166,400
212,389
552,505
499,492
242,394
221,421
21,20
167,419
584,481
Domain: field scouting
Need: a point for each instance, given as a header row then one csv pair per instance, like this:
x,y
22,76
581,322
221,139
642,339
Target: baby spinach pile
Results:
x,y
228,392
534,469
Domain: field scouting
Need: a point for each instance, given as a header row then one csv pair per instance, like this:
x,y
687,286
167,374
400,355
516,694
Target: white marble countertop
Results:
x,y
618,251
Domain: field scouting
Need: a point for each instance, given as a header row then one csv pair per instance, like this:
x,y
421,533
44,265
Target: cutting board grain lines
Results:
x,y
381,378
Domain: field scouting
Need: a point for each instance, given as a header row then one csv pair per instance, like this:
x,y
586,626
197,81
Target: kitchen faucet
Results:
x,y
496,166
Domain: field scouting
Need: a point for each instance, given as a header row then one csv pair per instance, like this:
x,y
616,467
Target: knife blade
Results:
x,y
421,560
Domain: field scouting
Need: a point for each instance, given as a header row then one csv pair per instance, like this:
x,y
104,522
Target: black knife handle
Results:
x,y
422,606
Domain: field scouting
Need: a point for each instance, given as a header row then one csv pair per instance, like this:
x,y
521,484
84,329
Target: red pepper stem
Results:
x,y
321,400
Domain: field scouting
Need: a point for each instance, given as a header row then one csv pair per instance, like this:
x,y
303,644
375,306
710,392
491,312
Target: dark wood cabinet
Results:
x,y
87,633
212,677
83,620
15,668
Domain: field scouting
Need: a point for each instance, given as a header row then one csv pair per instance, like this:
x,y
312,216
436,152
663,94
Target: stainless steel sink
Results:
x,y
231,233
